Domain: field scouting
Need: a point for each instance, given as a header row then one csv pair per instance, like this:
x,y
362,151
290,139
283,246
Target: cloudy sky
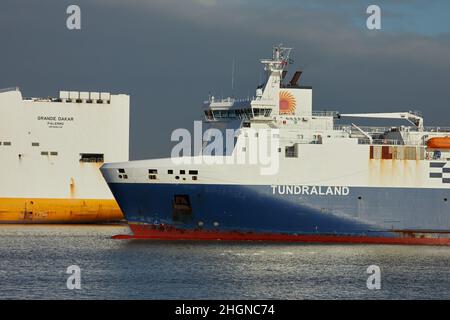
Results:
x,y
168,54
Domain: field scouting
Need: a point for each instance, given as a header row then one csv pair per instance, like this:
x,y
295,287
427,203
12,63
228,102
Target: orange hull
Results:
x,y
439,143
36,210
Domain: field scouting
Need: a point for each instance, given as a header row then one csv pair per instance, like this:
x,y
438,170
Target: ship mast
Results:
x,y
279,61
274,68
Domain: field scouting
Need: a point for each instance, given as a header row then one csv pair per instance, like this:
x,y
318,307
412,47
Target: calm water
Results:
x,y
34,259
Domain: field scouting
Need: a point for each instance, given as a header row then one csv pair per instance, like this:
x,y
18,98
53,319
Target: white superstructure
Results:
x,y
322,177
50,153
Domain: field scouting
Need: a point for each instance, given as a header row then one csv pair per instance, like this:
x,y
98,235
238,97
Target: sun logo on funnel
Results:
x,y
287,102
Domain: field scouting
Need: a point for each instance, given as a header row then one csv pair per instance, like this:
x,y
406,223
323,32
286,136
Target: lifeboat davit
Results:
x,y
439,143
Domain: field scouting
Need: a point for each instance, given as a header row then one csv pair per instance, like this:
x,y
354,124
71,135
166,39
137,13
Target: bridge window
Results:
x,y
221,114
261,112
209,115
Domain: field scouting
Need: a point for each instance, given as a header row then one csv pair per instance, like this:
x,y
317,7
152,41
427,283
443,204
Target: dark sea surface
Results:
x,y
34,260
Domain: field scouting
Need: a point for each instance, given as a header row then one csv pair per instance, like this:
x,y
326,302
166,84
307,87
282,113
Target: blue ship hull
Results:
x,y
377,212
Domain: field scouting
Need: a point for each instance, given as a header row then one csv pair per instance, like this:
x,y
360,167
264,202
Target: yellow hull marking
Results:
x,y
37,210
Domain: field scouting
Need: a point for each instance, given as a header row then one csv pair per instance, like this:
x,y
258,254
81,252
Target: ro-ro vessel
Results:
x,y
51,150
333,182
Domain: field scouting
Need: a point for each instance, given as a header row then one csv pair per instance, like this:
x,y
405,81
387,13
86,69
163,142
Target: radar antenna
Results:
x,y
280,59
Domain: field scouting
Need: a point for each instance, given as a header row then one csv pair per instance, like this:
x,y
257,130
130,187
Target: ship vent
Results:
x,y
291,151
91,157
295,78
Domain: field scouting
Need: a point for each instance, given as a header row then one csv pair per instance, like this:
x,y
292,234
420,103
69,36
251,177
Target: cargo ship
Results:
x,y
332,182
51,150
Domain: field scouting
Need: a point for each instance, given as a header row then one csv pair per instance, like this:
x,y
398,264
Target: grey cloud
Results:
x,y
169,54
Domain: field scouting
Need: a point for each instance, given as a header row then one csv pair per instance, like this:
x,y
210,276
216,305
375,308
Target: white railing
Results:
x,y
325,113
364,128
390,142
370,129
230,100
437,129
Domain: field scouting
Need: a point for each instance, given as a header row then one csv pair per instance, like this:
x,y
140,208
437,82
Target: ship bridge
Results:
x,y
279,103
276,97
227,109
284,104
